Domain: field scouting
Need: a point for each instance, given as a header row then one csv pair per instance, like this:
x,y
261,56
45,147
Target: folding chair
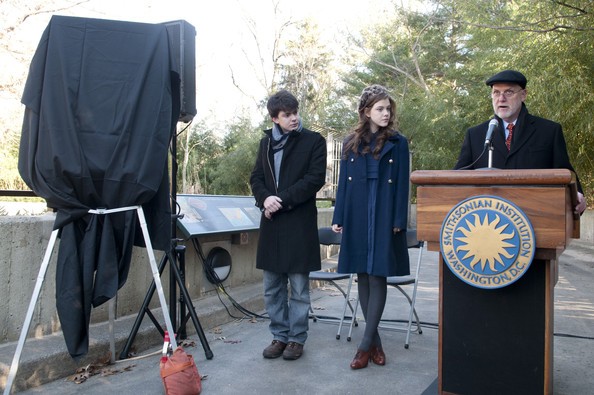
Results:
x,y
398,282
329,238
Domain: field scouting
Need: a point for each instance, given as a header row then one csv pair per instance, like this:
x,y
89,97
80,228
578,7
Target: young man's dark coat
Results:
x,y
289,241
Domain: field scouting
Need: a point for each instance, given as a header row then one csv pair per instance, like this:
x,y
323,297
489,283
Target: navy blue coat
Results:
x,y
390,250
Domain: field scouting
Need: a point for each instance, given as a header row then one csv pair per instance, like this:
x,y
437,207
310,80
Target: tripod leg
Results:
x,y
111,310
180,253
191,310
27,324
156,274
172,293
143,310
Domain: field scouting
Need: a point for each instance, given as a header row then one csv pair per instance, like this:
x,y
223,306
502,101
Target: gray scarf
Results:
x,y
278,141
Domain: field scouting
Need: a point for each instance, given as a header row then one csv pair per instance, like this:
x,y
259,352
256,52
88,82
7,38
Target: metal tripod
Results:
x,y
176,279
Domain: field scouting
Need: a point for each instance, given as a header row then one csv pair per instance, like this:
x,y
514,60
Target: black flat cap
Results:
x,y
510,76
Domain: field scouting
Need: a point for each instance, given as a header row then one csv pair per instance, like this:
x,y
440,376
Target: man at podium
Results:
x,y
519,140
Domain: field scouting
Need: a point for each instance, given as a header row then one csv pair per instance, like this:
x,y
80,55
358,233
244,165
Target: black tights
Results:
x,y
372,297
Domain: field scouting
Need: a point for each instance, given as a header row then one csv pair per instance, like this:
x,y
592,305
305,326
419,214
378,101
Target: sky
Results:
x,y
224,43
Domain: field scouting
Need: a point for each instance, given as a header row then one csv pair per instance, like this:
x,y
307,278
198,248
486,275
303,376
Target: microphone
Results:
x,y
492,126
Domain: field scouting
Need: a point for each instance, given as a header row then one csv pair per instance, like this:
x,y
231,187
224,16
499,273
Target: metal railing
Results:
x,y
15,193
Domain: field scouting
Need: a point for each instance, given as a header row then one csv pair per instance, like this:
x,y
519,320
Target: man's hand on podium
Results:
x,y
581,206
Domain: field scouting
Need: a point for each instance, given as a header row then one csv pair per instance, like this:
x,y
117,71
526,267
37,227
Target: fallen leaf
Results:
x,y
187,343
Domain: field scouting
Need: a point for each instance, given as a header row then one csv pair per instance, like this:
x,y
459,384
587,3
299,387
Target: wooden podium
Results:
x,y
499,341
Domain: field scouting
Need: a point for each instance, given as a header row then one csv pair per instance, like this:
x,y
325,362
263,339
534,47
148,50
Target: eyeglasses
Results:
x,y
507,93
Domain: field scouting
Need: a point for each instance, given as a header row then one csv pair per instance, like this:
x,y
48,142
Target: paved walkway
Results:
x,y
238,366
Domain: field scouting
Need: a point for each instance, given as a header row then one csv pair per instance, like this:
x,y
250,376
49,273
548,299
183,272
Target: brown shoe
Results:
x,y
293,351
377,356
361,360
275,349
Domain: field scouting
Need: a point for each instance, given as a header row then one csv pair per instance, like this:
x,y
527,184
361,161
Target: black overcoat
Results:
x,y
289,241
537,143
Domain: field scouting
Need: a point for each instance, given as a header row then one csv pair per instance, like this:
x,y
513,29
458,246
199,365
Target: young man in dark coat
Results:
x,y
533,143
290,169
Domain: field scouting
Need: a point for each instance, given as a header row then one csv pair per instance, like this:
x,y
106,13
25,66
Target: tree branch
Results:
x,y
53,11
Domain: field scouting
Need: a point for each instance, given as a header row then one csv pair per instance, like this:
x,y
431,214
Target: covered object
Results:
x,y
102,100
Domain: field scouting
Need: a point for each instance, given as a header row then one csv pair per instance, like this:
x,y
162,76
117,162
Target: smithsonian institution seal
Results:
x,y
487,242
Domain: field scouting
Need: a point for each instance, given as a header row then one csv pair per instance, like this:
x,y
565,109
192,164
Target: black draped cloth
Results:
x,y
101,104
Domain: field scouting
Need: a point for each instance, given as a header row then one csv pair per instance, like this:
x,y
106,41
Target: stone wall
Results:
x,y
23,241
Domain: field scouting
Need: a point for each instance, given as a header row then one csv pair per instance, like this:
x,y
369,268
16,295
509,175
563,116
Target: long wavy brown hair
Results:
x,y
359,139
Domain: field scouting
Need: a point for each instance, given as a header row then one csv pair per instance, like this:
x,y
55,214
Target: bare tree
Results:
x,y
265,66
16,50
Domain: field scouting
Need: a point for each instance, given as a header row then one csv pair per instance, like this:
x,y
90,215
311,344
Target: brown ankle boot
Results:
x,y
361,360
377,356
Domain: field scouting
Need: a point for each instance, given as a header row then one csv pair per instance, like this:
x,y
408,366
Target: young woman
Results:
x,y
371,212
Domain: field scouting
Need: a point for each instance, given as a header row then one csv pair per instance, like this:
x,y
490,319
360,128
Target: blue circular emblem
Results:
x,y
487,242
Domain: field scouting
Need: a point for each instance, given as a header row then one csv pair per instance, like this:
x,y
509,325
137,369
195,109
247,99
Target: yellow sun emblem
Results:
x,y
485,242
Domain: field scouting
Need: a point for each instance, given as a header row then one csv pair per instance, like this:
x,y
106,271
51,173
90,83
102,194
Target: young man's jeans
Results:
x,y
289,319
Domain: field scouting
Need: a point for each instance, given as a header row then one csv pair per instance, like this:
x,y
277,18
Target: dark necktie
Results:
x,y
510,127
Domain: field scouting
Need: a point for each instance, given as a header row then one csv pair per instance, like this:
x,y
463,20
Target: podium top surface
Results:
x,y
546,196
494,177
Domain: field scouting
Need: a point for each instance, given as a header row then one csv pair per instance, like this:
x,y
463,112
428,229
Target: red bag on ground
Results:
x,y
180,375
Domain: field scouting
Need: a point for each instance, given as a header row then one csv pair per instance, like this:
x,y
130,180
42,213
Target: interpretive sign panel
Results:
x,y
209,214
